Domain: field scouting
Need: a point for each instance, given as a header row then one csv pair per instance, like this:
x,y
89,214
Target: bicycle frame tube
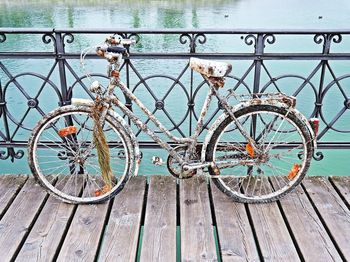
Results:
x,y
190,141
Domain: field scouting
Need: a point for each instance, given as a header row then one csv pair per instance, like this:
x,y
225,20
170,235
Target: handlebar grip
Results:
x,y
116,49
127,41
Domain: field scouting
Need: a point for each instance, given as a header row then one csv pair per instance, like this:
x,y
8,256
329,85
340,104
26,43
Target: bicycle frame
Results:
x,y
191,141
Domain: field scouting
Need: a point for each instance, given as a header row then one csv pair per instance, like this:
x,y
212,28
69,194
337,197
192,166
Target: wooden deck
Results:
x,y
162,220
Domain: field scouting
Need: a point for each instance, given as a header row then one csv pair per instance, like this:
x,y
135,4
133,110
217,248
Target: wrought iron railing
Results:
x,y
317,76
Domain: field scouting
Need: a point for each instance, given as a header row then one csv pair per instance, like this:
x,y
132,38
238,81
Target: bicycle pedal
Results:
x,y
156,160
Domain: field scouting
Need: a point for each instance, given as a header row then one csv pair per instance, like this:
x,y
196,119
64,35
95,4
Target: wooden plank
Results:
x,y
333,211
122,232
9,186
235,233
343,185
159,235
197,234
274,240
18,220
49,229
83,237
306,225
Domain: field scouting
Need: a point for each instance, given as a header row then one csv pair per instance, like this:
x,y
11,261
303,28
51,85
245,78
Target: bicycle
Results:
x,y
257,151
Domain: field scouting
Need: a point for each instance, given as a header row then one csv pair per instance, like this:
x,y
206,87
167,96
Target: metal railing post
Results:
x,y
61,67
259,50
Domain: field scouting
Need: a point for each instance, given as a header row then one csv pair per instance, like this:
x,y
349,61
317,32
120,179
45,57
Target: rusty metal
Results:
x,y
217,82
210,68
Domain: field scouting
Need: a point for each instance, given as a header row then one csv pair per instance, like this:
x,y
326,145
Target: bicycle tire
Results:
x,y
241,183
74,151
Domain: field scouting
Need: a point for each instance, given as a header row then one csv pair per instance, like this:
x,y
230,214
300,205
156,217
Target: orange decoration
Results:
x,y
250,149
294,171
102,191
67,131
115,73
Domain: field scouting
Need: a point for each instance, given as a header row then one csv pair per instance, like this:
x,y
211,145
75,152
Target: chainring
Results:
x,y
175,168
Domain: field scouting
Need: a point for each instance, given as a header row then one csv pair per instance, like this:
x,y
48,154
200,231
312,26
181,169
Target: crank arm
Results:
x,y
190,167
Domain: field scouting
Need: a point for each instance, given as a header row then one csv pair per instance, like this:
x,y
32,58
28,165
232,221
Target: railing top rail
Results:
x,y
9,30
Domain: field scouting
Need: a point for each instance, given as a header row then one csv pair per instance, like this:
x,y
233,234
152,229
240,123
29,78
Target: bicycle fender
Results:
x,y
82,102
256,102
137,154
281,100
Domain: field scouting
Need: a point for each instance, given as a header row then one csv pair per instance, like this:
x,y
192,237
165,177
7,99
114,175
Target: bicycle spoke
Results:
x,y
279,127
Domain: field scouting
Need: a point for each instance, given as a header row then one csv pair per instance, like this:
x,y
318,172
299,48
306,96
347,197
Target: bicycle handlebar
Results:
x,y
116,49
111,46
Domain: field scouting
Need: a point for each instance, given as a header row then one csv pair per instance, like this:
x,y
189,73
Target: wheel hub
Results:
x,y
263,158
80,161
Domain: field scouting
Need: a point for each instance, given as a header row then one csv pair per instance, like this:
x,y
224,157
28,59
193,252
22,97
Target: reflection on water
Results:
x,y
163,14
169,14
106,3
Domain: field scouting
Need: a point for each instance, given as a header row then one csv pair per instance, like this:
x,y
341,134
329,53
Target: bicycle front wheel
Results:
x,y
268,171
64,160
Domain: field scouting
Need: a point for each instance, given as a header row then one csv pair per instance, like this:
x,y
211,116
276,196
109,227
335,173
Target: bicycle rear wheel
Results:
x,y
275,167
64,159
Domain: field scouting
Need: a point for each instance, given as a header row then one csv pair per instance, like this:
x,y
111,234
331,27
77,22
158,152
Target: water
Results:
x,y
176,14
268,14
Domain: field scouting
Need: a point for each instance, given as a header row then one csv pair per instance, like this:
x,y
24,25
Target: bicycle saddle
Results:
x,y
210,68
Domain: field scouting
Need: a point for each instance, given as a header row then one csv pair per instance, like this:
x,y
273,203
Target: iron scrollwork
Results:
x,y
319,38
327,39
269,38
193,39
31,101
62,155
252,39
318,156
2,37
249,39
68,38
12,154
48,38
